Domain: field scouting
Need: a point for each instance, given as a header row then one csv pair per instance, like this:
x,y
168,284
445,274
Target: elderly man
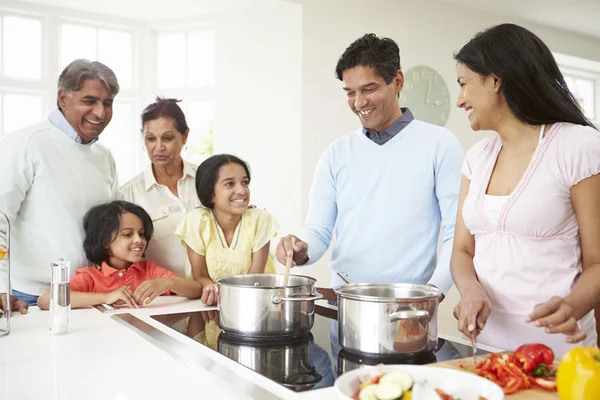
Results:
x,y
53,172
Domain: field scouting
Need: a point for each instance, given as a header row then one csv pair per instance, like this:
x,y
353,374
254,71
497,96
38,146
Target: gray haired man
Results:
x,y
53,172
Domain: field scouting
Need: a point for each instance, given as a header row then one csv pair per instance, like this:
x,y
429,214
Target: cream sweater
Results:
x,y
47,184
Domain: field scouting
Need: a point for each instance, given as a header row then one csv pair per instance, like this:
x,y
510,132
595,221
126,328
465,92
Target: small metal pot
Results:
x,y
387,318
290,364
260,306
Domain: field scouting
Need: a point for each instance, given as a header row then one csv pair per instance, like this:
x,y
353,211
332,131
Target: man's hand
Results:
x,y
299,251
15,304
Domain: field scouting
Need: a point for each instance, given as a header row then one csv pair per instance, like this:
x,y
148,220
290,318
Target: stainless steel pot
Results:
x,y
258,305
387,318
290,364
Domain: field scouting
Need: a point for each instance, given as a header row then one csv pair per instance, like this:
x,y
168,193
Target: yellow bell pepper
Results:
x,y
578,375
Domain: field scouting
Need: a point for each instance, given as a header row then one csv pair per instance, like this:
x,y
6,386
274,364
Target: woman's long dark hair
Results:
x,y
533,86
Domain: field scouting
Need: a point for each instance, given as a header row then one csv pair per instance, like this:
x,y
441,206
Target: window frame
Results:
x,y
577,67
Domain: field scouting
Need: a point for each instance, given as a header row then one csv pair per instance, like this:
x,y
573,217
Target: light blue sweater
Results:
x,y
386,204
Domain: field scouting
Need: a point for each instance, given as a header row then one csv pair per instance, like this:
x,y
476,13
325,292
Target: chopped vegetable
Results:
x,y
509,371
401,378
388,391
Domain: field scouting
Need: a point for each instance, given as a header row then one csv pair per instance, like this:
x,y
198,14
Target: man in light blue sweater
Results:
x,y
385,188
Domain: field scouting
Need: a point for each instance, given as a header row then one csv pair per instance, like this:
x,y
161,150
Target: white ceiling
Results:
x,y
580,16
156,9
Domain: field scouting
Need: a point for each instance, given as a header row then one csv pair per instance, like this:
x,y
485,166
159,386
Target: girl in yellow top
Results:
x,y
225,238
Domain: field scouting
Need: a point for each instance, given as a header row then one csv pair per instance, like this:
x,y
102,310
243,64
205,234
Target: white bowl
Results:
x,y
456,383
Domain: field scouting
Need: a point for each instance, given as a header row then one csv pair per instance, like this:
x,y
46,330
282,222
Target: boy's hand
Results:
x,y
149,289
122,295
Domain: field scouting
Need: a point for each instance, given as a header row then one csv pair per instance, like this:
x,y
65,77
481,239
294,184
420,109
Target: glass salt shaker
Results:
x,y
60,298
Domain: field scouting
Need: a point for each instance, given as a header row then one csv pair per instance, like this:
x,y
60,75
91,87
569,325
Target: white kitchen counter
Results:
x,y
103,359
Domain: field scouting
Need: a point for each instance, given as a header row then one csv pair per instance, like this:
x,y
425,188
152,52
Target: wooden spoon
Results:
x,y
288,265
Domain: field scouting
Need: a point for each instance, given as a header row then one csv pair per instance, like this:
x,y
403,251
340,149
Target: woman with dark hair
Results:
x,y
227,237
166,187
526,256
116,236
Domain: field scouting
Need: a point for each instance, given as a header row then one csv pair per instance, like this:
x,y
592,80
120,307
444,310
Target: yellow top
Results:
x,y
200,231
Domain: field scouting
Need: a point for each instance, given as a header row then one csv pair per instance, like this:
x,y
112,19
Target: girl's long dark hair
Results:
x,y
532,84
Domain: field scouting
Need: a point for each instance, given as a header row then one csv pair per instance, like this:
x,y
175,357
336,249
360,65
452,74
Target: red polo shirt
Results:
x,y
106,279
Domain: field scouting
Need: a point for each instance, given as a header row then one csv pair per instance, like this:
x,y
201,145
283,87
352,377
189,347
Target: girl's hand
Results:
x,y
472,312
122,295
556,316
149,289
210,295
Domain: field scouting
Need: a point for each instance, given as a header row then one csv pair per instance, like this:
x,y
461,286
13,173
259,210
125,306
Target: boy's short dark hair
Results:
x,y
208,172
101,222
369,50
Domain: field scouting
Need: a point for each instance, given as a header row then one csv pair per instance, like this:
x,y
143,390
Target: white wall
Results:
x,y
259,104
428,32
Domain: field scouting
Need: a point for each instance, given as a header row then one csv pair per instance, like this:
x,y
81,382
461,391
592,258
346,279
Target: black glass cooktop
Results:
x,y
300,364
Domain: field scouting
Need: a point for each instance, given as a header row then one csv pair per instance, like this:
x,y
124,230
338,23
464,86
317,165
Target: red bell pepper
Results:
x,y
537,354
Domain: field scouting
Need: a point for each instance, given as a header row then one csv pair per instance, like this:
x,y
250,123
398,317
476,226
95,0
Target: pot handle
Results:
x,y
407,314
276,298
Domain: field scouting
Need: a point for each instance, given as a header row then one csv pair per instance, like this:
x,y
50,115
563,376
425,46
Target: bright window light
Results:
x,y
584,91
22,48
77,42
171,55
201,58
120,137
114,50
20,110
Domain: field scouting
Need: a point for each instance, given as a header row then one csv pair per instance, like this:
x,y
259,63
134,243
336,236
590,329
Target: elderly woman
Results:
x,y
166,189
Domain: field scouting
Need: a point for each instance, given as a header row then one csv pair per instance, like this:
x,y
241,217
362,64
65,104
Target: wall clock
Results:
x,y
426,95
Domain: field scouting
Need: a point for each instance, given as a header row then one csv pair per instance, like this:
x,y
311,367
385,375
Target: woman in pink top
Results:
x,y
526,255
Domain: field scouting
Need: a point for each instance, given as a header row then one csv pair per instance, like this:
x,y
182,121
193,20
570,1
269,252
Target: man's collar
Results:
x,y
60,122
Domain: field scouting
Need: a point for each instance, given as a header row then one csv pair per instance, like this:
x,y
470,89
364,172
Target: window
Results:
x,y
21,48
110,47
185,59
584,91
201,121
19,110
121,137
583,79
186,64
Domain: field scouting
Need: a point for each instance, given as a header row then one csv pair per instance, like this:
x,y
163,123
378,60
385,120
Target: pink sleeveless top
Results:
x,y
533,252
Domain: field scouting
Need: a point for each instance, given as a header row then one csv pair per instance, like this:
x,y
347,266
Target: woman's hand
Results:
x,y
210,294
122,295
472,312
150,289
556,316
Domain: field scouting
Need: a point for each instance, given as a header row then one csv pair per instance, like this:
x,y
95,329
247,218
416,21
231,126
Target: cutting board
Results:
x,y
468,366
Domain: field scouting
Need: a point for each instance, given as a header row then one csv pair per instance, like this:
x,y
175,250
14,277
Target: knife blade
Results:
x,y
474,344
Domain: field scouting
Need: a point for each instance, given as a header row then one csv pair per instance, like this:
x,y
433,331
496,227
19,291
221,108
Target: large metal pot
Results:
x,y
290,364
260,306
387,318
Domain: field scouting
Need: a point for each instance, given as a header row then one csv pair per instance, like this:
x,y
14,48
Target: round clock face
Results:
x,y
426,95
